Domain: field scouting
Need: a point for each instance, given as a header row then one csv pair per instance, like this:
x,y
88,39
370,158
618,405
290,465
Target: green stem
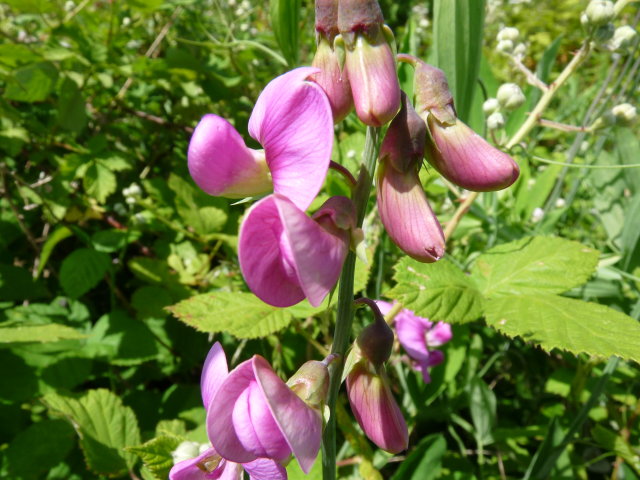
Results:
x,y
344,319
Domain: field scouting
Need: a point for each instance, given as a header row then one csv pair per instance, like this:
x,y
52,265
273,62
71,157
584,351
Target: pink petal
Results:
x,y
385,307
265,258
439,334
300,424
194,469
188,469
222,165
265,469
231,471
214,372
411,331
333,80
292,120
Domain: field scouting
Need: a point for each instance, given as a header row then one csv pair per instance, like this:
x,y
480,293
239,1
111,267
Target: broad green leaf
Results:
x,y
534,265
13,334
438,291
72,114
482,404
32,83
17,284
294,472
200,212
99,181
241,314
113,240
39,448
19,380
285,22
82,270
105,427
424,462
156,454
578,327
457,32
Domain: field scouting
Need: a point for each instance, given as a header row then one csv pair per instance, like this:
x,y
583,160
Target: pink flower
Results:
x,y
254,416
211,464
286,256
292,120
418,336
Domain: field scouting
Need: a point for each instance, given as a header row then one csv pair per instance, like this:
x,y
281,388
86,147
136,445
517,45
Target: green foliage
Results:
x,y
285,22
156,454
83,270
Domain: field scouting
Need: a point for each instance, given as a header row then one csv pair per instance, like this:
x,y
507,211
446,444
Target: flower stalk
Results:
x,y
344,319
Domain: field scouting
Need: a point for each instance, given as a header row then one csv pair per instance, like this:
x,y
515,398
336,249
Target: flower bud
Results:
x,y
376,339
508,33
495,121
369,61
604,33
510,96
624,114
185,451
623,37
490,105
402,203
375,409
600,12
505,46
327,18
311,383
520,50
457,152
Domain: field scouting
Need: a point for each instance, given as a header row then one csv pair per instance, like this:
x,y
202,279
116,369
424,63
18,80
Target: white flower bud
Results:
x,y
508,33
495,121
491,105
69,5
185,451
520,50
505,46
126,21
560,202
624,114
510,96
600,12
623,37
537,215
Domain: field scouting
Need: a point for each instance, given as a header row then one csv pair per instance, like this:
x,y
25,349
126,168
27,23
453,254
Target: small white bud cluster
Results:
x,y
131,193
623,38
508,42
420,12
598,13
509,97
624,114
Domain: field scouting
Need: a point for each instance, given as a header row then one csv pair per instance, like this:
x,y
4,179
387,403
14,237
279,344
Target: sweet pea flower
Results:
x,y
462,156
403,206
210,464
292,120
418,336
254,416
286,256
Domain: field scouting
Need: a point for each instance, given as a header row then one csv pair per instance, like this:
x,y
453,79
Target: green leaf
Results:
x,y
99,181
200,212
19,380
113,240
56,237
285,22
438,291
294,472
72,114
39,448
424,462
17,284
457,33
32,83
616,443
54,332
534,265
156,454
105,426
82,270
578,327
482,404
240,314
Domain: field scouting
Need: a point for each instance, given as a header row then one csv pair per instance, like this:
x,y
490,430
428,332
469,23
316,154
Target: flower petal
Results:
x,y
265,469
188,469
411,331
222,165
214,372
300,424
439,334
195,468
292,120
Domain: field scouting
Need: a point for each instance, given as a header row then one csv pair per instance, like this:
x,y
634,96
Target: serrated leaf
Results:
x,y
240,314
578,327
438,291
82,270
534,265
105,427
156,454
54,332
99,181
32,83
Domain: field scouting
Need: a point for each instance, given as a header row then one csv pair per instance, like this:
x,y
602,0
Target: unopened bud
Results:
x,y
600,12
311,383
625,114
520,50
505,46
495,121
510,96
604,33
623,37
376,339
508,33
490,105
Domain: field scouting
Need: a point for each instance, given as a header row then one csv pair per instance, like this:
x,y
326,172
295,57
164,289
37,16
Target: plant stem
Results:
x,y
344,319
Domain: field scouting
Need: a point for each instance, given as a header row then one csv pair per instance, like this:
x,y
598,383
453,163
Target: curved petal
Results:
x,y
385,307
439,334
221,164
214,372
318,253
265,469
220,415
196,468
265,258
407,215
231,471
300,424
411,332
188,469
292,120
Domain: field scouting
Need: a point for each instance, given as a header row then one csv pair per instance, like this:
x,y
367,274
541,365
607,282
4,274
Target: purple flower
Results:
x,y
210,464
457,152
418,336
254,416
286,256
402,203
292,120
